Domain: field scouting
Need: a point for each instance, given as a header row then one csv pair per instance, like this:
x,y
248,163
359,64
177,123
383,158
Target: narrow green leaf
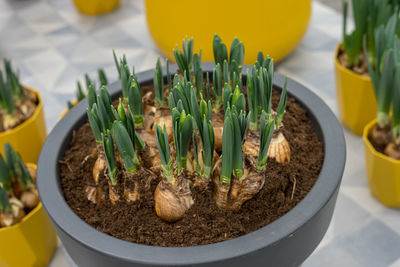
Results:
x,y
227,150
125,146
108,146
102,77
4,201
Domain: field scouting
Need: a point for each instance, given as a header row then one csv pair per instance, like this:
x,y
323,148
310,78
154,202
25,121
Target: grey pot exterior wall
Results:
x,y
287,241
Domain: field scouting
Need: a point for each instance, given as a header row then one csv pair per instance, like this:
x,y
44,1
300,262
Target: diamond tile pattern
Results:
x,y
53,46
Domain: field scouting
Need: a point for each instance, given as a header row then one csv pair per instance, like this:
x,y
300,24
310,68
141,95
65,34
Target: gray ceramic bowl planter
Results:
x,y
288,241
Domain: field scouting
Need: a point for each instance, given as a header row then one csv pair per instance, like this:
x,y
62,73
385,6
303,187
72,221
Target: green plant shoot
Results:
x,y
202,117
5,205
266,133
252,100
108,146
281,110
163,148
125,146
182,126
5,181
184,58
158,82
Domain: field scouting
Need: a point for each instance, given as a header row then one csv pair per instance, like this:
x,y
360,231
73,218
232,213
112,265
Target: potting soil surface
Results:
x,y
204,223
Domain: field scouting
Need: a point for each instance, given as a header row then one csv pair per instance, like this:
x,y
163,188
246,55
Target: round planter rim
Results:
x,y
346,70
31,119
376,153
64,218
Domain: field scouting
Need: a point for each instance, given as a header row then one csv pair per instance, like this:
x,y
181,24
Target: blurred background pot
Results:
x,y
383,172
31,242
355,97
96,7
28,137
275,27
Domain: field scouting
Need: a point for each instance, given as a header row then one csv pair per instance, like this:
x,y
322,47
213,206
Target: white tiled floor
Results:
x,y
53,46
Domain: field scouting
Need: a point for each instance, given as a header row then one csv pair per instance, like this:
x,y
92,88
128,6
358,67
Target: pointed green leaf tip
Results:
x,y
158,82
135,99
16,167
10,159
280,111
25,179
184,58
102,77
80,95
125,146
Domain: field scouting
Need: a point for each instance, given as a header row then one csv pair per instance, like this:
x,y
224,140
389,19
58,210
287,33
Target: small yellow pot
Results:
x,y
96,7
383,173
355,97
28,137
275,27
29,243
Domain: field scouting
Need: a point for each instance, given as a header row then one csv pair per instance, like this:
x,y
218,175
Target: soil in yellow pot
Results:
x,y
383,172
28,137
355,97
276,29
96,7
31,242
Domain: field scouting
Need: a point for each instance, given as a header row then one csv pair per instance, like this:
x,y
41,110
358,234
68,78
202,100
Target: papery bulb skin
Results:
x,y
172,201
279,148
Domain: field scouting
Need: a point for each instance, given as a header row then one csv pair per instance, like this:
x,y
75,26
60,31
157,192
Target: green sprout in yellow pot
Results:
x,y
393,148
18,193
16,103
383,80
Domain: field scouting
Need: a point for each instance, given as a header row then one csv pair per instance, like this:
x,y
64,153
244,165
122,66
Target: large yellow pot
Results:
x,y
29,243
355,97
383,173
275,27
96,7
28,137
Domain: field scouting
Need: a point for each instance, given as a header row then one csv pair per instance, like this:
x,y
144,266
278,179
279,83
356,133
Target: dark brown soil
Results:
x,y
285,186
23,110
361,68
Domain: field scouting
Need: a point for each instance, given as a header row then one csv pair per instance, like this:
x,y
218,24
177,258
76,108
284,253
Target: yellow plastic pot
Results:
x,y
383,173
355,97
29,243
28,137
96,7
275,27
